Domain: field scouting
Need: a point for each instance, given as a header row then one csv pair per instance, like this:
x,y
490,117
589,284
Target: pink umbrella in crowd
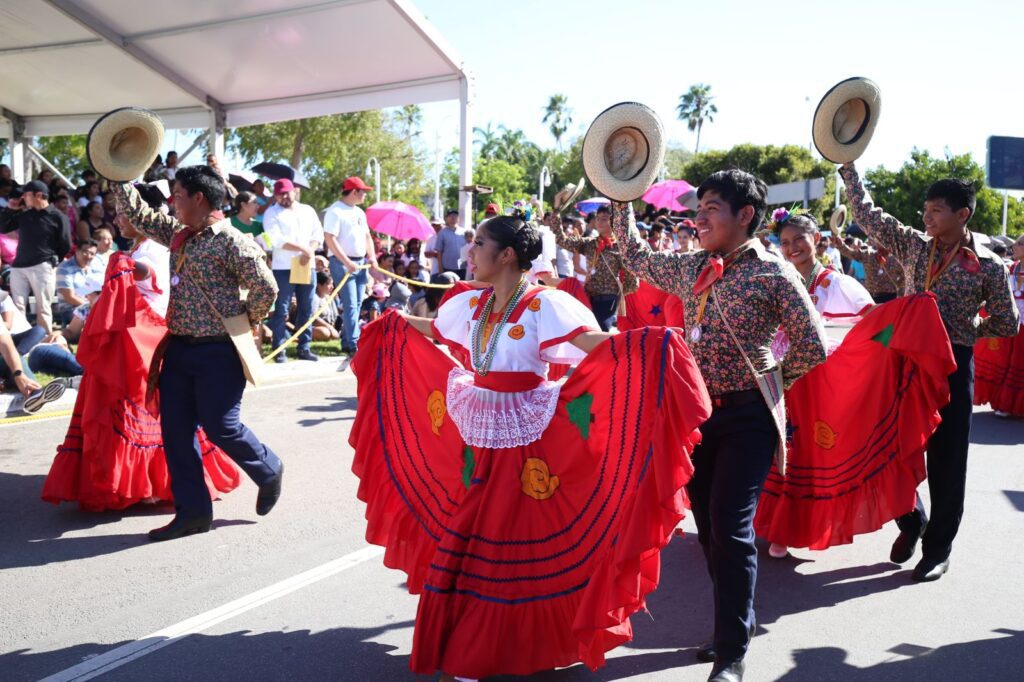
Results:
x,y
398,220
665,194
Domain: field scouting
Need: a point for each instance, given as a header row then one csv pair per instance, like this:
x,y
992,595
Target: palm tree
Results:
x,y
695,108
487,138
410,118
512,145
560,117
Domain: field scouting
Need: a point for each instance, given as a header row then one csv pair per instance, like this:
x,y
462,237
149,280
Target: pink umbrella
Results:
x,y
665,194
399,220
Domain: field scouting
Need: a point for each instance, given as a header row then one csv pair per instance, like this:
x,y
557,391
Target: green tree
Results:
x,y
676,158
901,192
558,116
409,119
509,181
328,149
695,107
774,165
66,152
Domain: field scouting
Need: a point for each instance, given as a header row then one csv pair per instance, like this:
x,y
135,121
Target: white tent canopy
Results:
x,y
217,64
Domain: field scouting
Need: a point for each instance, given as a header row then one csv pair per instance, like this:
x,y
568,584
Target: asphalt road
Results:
x,y
298,595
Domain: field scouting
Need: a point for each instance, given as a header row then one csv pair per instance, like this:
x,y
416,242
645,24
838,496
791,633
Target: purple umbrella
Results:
x,y
665,194
398,220
590,205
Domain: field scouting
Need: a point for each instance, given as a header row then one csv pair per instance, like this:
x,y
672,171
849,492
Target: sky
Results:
x,y
948,71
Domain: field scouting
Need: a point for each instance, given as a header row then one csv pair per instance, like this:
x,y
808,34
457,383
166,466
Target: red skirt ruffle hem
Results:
x,y
112,455
859,424
999,373
533,557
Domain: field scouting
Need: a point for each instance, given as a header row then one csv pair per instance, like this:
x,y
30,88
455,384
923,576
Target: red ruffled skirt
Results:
x,y
999,373
533,557
859,424
112,455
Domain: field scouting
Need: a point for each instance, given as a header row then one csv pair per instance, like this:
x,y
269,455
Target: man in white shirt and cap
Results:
x,y
295,232
350,245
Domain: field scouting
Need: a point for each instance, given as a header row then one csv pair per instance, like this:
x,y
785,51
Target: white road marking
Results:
x,y
122,655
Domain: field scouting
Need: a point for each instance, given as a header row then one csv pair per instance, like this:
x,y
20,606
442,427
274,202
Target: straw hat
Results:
x,y
123,143
846,118
568,195
624,151
838,219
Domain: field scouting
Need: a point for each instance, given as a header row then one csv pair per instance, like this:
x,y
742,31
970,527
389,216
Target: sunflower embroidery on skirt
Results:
x,y
537,480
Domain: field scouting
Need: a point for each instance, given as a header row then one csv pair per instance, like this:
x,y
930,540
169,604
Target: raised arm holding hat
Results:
x,y
735,298
963,276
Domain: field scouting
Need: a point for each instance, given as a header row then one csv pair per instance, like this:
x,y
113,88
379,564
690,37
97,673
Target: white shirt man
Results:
x,y
290,224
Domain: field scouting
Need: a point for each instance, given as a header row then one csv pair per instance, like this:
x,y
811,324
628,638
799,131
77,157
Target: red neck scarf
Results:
x,y
604,243
716,267
182,236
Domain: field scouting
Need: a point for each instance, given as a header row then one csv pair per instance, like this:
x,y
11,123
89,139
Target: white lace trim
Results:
x,y
490,419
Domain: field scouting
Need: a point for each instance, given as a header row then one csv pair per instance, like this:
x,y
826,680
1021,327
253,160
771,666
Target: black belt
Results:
x,y
736,398
201,340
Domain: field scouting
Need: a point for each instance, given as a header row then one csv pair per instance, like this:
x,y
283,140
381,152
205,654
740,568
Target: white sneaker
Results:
x,y
345,362
1002,415
777,551
47,394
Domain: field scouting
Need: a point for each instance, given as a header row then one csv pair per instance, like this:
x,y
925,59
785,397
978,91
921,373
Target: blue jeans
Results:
x,y
202,385
53,359
351,297
730,466
27,340
304,299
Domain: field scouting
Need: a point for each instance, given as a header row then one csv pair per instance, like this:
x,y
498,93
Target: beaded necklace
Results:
x,y
483,348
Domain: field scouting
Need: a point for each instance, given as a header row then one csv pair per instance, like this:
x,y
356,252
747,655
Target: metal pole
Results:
x,y
192,148
1006,205
42,159
437,175
542,182
465,150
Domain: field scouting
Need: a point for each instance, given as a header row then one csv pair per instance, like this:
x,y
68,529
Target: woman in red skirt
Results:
x,y
999,363
859,422
528,514
112,456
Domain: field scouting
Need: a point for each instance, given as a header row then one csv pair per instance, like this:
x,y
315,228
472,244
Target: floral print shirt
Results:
x,y
975,278
881,275
604,268
223,259
759,293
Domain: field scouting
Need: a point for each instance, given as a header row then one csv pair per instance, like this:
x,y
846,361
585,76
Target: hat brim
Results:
x,y
838,219
644,124
123,143
574,195
823,133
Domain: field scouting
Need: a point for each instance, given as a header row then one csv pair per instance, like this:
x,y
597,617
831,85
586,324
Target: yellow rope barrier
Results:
x,y
337,289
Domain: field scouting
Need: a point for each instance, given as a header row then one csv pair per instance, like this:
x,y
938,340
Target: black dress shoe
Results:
x,y
269,492
928,570
727,672
905,546
307,355
180,527
706,655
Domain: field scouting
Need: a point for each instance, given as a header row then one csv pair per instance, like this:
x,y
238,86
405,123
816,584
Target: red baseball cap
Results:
x,y
283,185
492,208
355,183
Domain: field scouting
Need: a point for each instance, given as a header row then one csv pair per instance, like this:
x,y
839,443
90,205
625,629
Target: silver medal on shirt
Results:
x,y
695,334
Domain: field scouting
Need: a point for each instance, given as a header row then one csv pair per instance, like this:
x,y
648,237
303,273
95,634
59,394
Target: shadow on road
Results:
x,y
335,404
336,654
33,530
990,659
987,429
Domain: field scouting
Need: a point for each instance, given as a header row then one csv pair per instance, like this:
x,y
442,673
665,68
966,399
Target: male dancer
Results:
x,y
758,293
201,379
964,276
883,276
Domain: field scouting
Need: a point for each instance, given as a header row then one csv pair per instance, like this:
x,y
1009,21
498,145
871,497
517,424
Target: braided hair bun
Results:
x,y
517,234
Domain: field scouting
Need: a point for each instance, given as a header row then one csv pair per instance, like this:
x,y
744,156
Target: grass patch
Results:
x,y
325,349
